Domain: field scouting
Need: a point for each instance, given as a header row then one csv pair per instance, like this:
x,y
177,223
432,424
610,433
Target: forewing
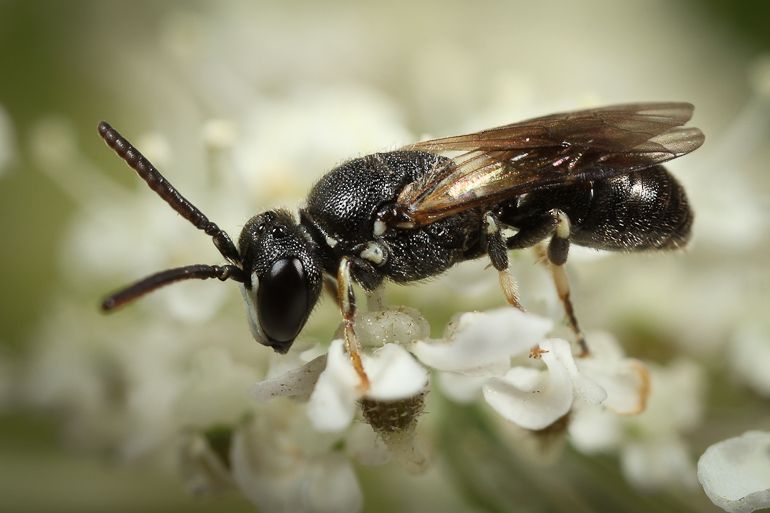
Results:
x,y
507,161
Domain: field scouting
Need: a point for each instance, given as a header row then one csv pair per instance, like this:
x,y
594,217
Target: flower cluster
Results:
x,y
295,451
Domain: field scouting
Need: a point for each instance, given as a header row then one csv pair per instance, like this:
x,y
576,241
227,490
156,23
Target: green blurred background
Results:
x,y
64,59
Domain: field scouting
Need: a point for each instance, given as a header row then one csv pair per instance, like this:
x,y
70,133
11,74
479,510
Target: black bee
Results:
x,y
591,177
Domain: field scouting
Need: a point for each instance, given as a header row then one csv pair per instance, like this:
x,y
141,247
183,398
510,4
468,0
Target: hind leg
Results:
x,y
556,224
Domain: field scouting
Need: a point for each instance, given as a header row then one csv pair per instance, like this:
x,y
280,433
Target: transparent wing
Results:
x,y
504,162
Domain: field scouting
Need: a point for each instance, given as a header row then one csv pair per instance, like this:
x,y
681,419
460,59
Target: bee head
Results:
x,y
282,277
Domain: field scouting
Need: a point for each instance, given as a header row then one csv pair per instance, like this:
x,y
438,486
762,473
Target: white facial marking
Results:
x,y
374,253
331,241
250,300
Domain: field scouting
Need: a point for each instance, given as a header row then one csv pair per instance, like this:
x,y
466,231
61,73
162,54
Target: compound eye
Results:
x,y
283,302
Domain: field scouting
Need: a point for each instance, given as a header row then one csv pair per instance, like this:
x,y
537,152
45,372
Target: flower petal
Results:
x,y
461,388
534,399
394,374
676,401
484,340
333,401
735,473
628,388
595,430
586,388
626,381
298,383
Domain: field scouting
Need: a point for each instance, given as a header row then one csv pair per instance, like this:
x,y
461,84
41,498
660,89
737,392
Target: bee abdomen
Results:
x,y
643,210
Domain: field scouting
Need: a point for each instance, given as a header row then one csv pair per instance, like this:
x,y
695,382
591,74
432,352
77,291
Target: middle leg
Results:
x,y
498,255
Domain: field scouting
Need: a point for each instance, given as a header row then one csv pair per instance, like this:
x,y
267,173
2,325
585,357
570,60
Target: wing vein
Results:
x,y
503,162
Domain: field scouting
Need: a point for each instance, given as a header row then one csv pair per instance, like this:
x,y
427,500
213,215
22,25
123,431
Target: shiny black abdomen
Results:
x,y
641,210
340,215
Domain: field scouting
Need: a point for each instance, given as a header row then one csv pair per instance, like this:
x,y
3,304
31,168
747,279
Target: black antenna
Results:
x,y
170,195
169,276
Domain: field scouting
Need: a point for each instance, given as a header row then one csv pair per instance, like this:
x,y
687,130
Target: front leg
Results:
x,y
346,299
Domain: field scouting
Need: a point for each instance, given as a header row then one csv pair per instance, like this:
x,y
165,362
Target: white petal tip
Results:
x,y
735,473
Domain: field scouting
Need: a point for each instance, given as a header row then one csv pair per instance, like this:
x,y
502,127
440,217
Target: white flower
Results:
x,y
390,405
535,399
651,445
626,381
333,394
297,381
331,386
482,343
735,473
393,374
476,356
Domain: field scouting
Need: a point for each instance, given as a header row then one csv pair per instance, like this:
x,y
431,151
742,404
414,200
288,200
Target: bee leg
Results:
x,y
535,231
558,249
347,301
498,255
556,224
497,245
